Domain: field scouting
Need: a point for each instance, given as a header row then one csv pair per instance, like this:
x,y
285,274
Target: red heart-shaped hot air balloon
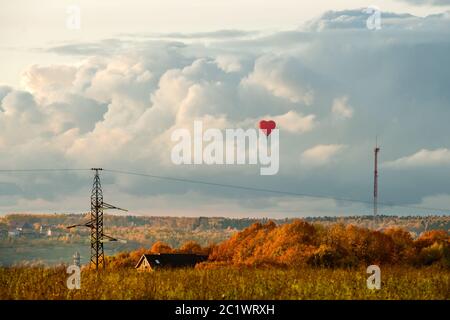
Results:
x,y
267,126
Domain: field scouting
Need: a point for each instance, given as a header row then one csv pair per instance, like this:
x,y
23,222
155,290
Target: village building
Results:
x,y
77,259
14,233
151,262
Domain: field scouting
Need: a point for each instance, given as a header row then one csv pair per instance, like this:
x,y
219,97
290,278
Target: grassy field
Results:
x,y
226,283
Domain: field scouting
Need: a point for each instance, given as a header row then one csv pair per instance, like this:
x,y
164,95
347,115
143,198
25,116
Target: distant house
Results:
x,y
150,262
46,231
14,233
27,227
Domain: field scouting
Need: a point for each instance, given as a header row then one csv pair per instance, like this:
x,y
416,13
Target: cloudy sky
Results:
x,y
110,93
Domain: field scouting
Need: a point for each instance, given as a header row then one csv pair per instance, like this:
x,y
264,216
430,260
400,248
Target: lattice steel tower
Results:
x,y
97,252
98,237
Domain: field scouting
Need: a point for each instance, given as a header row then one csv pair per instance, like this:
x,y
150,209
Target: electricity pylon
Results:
x,y
98,237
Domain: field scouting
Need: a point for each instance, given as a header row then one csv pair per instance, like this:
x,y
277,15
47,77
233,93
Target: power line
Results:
x,y
230,186
306,195
39,170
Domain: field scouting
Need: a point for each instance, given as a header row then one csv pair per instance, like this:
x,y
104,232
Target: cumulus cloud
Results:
x,y
229,63
21,120
280,76
117,106
295,122
422,158
47,83
321,154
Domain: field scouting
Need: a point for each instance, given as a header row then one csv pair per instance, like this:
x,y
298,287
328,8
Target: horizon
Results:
x,y
366,216
81,88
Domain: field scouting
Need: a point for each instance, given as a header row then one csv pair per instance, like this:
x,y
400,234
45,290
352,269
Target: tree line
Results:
x,y
300,243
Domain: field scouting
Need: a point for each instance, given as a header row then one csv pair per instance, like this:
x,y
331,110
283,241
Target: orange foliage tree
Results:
x,y
338,245
301,243
161,247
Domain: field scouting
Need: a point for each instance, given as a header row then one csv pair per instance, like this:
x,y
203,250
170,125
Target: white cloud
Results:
x,y
321,154
279,76
229,63
295,122
422,158
341,108
49,83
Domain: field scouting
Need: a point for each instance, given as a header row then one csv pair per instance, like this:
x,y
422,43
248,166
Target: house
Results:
x,y
27,227
77,259
14,233
150,262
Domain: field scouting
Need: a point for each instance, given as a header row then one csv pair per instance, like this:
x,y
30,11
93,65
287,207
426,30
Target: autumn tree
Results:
x,y
299,243
428,238
193,247
161,247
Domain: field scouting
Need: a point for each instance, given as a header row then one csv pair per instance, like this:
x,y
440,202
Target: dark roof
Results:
x,y
172,260
27,225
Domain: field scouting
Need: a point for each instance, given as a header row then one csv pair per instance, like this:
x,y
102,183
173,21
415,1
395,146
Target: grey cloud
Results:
x,y
77,112
105,47
356,19
110,47
219,34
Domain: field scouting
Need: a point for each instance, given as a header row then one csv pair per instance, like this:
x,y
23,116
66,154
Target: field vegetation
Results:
x,y
227,283
295,260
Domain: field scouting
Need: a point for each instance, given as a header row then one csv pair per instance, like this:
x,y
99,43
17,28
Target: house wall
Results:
x,y
145,266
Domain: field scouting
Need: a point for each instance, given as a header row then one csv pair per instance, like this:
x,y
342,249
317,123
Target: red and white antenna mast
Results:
x,y
375,182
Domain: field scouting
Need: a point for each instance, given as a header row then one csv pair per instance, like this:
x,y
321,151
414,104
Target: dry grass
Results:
x,y
226,283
